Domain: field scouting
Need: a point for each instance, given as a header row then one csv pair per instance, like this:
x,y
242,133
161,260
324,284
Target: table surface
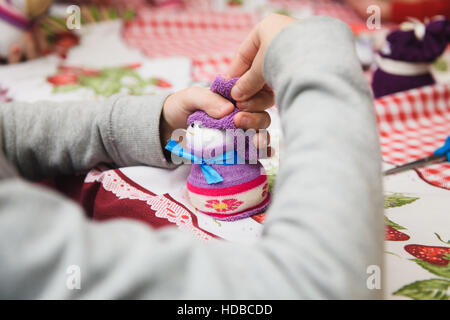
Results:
x,y
417,202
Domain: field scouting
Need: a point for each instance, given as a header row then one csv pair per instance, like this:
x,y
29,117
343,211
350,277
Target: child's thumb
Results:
x,y
250,82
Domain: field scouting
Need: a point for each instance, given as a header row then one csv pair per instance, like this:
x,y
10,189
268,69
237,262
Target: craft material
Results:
x,y
406,60
223,182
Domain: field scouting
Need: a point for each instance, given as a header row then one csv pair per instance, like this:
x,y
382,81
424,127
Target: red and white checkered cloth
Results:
x,y
333,8
412,125
208,38
336,9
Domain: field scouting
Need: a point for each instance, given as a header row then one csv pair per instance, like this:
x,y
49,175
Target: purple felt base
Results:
x,y
385,83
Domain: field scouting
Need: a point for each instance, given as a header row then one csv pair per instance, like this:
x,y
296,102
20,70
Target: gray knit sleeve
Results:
x,y
45,138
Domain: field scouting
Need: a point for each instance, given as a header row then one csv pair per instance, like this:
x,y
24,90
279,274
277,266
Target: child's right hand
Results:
x,y
251,91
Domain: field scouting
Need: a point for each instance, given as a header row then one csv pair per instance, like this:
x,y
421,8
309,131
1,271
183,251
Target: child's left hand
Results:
x,y
180,105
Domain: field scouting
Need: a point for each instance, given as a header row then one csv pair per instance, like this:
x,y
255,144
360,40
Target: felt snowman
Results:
x,y
226,180
16,17
405,62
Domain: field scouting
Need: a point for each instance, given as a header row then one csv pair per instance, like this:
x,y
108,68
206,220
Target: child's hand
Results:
x,y
251,91
180,105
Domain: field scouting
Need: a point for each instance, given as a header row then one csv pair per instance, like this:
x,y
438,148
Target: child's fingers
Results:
x,y
29,46
259,102
251,81
252,120
243,58
15,54
214,105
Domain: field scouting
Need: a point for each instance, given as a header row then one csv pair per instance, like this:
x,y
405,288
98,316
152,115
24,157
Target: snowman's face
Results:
x,y
198,137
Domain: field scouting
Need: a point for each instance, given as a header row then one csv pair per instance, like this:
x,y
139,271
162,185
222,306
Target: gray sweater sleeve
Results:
x,y
324,227
45,138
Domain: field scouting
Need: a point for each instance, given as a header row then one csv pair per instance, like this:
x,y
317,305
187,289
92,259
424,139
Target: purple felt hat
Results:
x,y
223,87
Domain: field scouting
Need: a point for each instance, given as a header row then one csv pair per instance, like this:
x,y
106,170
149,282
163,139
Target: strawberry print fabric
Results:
x,y
417,239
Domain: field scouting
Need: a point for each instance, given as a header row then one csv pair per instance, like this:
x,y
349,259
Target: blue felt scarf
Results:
x,y
212,176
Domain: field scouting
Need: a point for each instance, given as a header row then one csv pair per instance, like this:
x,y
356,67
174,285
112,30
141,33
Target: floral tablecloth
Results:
x,y
412,124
